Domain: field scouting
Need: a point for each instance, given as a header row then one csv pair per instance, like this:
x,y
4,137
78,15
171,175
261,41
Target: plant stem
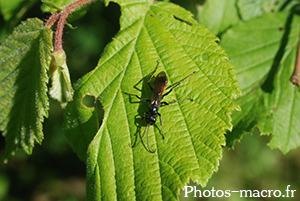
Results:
x,y
295,77
63,17
53,18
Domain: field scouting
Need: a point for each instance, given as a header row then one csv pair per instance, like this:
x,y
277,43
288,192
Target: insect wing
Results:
x,y
160,84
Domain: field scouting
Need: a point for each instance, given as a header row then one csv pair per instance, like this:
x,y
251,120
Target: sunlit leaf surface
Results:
x,y
194,130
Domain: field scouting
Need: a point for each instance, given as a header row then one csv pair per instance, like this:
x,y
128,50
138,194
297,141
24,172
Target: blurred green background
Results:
x,y
53,171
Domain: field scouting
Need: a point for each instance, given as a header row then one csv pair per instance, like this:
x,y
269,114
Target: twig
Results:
x,y
53,18
62,20
295,77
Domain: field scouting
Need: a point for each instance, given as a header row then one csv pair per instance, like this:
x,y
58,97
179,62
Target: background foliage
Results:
x,y
252,165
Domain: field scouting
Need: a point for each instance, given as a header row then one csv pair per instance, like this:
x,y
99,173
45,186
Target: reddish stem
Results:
x,y
63,17
53,18
295,77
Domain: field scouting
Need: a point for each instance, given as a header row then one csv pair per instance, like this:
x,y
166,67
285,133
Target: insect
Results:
x,y
160,84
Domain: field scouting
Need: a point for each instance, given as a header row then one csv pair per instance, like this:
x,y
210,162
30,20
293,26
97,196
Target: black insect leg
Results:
x,y
141,123
139,131
142,136
148,126
161,125
165,103
142,99
176,85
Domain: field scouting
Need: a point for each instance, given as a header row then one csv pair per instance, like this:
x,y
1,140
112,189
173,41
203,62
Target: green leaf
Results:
x,y
218,15
245,120
284,104
9,8
13,12
194,131
52,6
252,47
24,59
273,106
15,8
47,7
252,9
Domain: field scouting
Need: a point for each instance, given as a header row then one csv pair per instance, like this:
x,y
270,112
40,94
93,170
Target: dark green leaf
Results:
x,y
218,15
245,120
252,9
52,6
14,9
264,62
252,47
24,59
